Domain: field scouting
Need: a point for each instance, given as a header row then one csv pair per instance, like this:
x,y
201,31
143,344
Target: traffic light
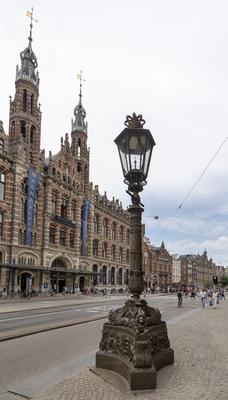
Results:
x,y
215,280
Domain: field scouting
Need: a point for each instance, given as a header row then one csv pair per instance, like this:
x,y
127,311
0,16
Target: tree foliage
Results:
x,y
224,280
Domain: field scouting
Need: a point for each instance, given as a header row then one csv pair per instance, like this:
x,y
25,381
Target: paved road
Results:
x,y
65,312
34,362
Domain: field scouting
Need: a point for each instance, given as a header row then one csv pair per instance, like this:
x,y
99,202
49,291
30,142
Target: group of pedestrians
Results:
x,y
213,295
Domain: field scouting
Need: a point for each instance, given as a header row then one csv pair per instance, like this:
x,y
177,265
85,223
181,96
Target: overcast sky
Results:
x,y
164,59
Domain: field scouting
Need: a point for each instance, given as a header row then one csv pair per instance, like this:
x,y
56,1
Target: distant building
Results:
x,y
176,271
196,270
158,266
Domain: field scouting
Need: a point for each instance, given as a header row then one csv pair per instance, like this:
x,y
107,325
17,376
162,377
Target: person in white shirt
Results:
x,y
203,297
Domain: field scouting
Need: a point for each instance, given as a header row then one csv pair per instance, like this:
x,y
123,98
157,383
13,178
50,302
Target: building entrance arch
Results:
x,y
58,275
82,283
26,282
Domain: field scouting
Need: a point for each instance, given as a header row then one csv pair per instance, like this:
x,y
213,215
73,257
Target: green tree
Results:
x,y
224,280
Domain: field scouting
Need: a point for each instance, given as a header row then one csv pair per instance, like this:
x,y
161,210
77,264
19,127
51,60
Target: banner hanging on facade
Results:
x,y
85,215
33,181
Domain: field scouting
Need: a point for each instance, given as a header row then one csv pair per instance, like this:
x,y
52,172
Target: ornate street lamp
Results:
x,y
134,342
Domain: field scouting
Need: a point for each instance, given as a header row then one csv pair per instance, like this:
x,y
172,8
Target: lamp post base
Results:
x,y
135,344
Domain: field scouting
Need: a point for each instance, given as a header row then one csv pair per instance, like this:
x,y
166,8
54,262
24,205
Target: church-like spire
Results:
x,y
28,59
79,124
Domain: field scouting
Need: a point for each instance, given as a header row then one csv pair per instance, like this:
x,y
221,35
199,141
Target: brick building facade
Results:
x,y
56,229
158,266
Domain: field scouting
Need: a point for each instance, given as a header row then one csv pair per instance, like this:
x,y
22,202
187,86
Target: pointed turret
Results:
x,y
28,59
25,114
79,123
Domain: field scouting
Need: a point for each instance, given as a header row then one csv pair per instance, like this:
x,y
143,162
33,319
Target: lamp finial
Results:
x,y
134,121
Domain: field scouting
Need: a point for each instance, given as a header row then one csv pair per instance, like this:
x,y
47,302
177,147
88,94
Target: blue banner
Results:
x,y
85,215
33,181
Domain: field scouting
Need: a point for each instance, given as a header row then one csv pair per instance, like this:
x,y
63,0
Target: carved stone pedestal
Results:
x,y
135,344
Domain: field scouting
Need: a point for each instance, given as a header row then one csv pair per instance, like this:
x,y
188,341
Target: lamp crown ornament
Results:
x,y
134,121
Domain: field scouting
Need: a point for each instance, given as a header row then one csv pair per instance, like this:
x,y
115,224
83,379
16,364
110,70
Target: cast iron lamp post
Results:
x,y
134,342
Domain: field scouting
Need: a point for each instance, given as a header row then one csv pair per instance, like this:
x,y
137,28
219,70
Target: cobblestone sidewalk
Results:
x,y
200,371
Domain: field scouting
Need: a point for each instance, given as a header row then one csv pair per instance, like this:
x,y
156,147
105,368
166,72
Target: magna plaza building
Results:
x,y
56,230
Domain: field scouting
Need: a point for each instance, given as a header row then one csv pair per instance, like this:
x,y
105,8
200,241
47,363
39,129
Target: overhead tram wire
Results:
x,y
196,183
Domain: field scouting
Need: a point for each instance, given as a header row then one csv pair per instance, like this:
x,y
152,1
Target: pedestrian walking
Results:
x,y
215,298
203,297
179,299
222,294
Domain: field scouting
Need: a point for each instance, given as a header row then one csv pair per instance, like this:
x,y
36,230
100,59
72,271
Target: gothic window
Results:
x,y
94,276
121,233
53,204
104,249
1,224
113,231
73,211
79,167
120,276
13,129
120,254
104,275
2,185
62,238
96,224
33,135
58,263
128,237
113,252
1,144
52,235
32,104
95,247
64,207
72,239
24,102
23,129
105,227
112,276
127,277
127,256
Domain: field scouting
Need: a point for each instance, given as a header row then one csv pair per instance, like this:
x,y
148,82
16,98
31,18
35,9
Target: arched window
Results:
x,y
96,224
104,249
121,238
1,144
104,275
127,256
120,254
2,185
58,263
62,237
113,252
79,167
95,276
105,227
128,236
1,224
24,102
113,231
53,204
95,247
120,276
33,135
112,276
32,104
13,129
23,129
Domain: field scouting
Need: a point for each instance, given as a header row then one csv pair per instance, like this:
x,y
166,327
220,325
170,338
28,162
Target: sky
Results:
x,y
166,60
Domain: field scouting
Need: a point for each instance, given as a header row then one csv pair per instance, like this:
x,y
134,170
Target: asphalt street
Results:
x,y
63,312
35,362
